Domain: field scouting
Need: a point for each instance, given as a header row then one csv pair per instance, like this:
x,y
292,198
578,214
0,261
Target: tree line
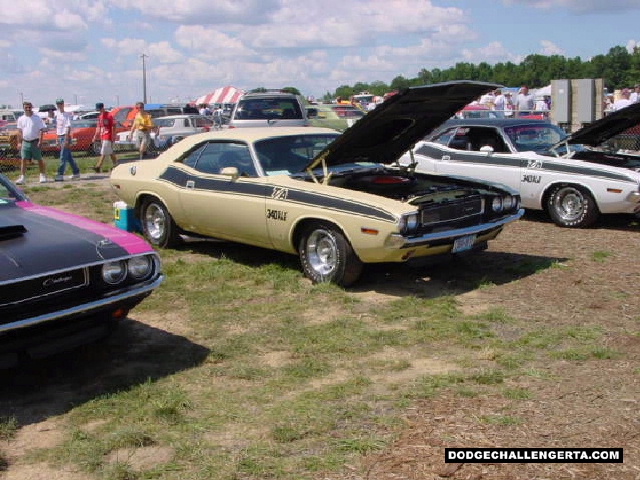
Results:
x,y
619,68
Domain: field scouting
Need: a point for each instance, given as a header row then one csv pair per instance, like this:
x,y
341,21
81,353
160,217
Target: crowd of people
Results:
x,y
525,103
216,113
627,97
31,127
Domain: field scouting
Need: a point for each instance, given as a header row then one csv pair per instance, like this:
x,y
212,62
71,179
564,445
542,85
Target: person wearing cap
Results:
x,y
141,129
105,129
30,128
63,131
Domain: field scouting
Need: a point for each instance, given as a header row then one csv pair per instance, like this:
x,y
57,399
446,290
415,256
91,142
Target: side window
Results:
x,y
444,137
237,155
203,158
212,157
486,137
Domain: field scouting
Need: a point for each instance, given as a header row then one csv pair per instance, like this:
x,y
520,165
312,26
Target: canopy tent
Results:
x,y
226,94
544,91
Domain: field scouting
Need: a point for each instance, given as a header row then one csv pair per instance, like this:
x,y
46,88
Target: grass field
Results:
x,y
239,368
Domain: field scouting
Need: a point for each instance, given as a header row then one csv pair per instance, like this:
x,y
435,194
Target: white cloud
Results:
x,y
550,48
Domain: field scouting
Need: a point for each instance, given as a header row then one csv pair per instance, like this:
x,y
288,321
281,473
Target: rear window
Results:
x,y
165,122
268,109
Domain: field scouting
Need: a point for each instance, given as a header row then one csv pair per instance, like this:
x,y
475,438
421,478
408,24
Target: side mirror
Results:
x,y
230,171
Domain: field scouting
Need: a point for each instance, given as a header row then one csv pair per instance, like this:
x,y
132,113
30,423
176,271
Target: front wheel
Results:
x,y
571,206
158,226
327,256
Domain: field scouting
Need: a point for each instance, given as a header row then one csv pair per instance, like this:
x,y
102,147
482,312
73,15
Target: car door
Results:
x,y
223,205
463,150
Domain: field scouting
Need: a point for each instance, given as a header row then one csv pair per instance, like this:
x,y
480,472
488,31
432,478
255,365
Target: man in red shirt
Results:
x,y
105,129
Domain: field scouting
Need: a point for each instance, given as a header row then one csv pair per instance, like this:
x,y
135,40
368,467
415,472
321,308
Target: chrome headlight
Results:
x,y
114,272
408,223
507,202
496,204
140,267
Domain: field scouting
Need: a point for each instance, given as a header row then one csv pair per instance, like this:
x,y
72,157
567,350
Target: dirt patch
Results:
x,y
142,458
542,275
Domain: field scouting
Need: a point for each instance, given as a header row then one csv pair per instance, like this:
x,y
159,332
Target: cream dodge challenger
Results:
x,y
338,201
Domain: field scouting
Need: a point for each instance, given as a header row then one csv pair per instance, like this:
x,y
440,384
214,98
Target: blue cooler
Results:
x,y
125,217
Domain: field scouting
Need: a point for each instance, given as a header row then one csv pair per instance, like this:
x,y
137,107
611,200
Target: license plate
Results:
x,y
463,243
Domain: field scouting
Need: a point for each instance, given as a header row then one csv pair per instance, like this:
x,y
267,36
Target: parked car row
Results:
x,y
404,183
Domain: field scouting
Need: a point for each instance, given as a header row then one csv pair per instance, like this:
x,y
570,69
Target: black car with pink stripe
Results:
x,y
65,280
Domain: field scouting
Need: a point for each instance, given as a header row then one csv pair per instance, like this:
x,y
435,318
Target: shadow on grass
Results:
x,y
612,221
135,353
437,277
452,276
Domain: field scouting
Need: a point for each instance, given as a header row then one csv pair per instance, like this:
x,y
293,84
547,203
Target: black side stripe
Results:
x,y
513,161
179,178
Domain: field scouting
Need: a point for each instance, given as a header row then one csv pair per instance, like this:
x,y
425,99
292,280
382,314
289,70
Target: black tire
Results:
x,y
327,256
572,207
158,226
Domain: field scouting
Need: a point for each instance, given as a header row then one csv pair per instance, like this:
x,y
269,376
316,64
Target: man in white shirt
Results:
x,y
63,131
30,128
524,102
499,103
635,95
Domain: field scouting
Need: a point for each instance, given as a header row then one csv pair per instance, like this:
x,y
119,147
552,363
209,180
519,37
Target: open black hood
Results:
x,y
389,130
607,127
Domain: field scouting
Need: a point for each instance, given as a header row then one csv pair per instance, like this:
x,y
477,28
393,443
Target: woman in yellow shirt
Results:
x,y
142,127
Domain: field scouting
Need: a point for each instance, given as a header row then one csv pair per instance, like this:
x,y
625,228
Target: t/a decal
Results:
x,y
280,193
276,215
531,178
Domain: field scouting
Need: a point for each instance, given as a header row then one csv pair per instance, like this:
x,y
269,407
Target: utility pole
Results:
x,y
144,78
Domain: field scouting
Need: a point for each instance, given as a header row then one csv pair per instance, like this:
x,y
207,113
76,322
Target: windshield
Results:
x,y
535,138
292,153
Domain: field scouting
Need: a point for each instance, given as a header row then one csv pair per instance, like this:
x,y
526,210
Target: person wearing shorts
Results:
x,y
30,128
141,129
105,129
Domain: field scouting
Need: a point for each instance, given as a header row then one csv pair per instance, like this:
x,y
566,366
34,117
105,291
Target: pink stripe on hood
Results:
x,y
130,242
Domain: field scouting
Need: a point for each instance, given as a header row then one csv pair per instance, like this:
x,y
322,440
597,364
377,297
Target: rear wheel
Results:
x,y
572,206
327,256
158,226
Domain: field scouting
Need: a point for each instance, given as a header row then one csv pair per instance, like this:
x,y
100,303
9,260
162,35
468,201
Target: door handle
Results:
x,y
191,184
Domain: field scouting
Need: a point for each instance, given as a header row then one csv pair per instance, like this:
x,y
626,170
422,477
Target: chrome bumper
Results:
x,y
86,308
403,242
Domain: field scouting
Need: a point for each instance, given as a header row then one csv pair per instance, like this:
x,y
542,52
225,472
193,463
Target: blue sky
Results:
x,y
90,50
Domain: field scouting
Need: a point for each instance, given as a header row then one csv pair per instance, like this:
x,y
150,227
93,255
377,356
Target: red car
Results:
x,y
82,133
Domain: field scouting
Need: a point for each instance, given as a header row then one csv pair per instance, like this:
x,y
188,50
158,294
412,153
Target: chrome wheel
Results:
x,y
572,206
322,252
327,256
155,222
158,225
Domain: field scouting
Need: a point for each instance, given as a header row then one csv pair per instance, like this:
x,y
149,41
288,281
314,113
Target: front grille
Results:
x,y
434,216
44,286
